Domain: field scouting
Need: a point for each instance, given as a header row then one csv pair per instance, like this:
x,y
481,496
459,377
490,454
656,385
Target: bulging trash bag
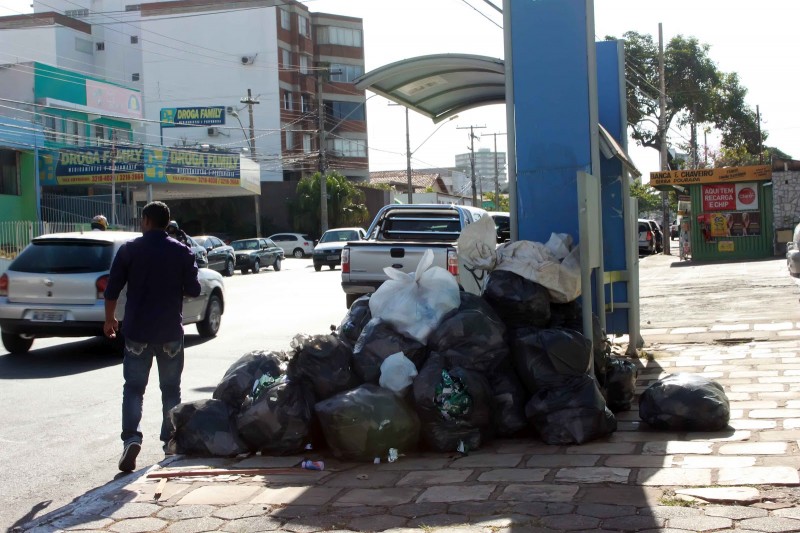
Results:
x,y
538,262
366,422
238,380
278,419
620,384
454,405
323,361
543,357
205,428
569,315
519,302
510,398
414,304
471,337
378,341
354,321
685,402
570,412
397,373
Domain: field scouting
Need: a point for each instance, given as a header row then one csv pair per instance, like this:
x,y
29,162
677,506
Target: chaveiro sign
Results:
x,y
175,117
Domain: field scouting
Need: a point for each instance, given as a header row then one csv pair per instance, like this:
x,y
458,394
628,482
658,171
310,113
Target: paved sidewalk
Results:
x,y
742,479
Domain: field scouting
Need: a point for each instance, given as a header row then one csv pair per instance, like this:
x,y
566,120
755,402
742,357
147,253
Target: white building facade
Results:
x,y
486,161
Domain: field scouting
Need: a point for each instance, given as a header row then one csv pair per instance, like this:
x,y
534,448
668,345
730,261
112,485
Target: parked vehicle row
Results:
x,y
255,254
329,250
651,237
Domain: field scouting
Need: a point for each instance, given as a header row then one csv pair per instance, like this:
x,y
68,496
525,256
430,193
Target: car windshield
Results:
x,y
245,245
343,235
201,241
64,257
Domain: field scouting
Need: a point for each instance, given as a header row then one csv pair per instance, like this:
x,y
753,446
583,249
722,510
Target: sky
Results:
x,y
757,40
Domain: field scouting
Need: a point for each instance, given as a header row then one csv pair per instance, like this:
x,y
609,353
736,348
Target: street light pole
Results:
x,y
408,163
250,101
496,173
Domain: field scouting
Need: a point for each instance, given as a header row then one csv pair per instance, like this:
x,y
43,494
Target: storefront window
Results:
x,y
9,172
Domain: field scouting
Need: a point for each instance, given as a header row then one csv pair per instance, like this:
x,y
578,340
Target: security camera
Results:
x,y
248,60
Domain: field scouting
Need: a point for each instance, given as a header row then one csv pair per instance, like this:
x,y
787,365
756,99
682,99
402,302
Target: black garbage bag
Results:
x,y
278,419
454,405
472,336
510,397
570,412
367,422
354,321
569,315
519,301
323,361
205,428
238,380
378,341
620,384
685,402
543,357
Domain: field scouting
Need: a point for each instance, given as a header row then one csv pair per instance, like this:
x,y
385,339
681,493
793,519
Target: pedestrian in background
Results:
x,y
158,272
99,223
177,233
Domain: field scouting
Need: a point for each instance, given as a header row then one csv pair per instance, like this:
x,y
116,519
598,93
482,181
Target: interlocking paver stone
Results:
x,y
145,525
416,463
232,512
438,520
263,461
456,493
759,475
549,461
379,522
674,477
593,474
735,512
131,510
753,448
665,511
723,494
219,495
184,512
542,508
786,435
252,524
792,512
602,448
703,461
296,495
414,510
434,477
479,508
600,510
700,523
488,460
639,461
80,523
383,497
522,475
775,413
632,523
313,524
539,493
770,524
287,512
570,523
362,478
674,447
195,525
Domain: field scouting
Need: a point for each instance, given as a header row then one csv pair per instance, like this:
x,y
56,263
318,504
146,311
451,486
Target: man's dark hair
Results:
x,y
158,213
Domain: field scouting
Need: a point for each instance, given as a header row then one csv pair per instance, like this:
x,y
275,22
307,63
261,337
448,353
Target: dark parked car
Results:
x,y
255,254
502,222
221,257
200,253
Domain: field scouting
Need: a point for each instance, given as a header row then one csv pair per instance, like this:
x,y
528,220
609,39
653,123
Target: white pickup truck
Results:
x,y
398,237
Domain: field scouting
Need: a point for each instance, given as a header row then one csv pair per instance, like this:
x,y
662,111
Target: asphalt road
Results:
x,y
60,404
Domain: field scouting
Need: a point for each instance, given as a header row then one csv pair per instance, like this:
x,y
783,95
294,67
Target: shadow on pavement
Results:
x,y
63,360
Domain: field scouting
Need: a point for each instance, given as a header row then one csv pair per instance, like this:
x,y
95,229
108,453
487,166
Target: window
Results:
x,y
72,133
305,103
134,39
83,46
302,26
340,36
133,7
348,147
135,76
345,110
9,172
286,58
303,64
99,134
345,73
288,104
49,128
306,142
100,46
289,139
76,13
286,20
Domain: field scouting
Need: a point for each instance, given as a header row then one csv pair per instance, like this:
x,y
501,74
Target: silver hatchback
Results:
x,y
54,288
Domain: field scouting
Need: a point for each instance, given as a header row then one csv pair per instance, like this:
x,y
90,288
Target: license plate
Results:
x,y
333,258
48,316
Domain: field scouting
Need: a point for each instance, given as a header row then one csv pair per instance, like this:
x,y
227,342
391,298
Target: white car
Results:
x,y
329,249
298,245
54,288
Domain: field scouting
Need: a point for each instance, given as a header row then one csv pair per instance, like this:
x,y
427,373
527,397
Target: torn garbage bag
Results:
x,y
415,303
543,357
519,302
538,262
510,397
570,412
323,361
471,337
367,422
354,321
205,428
454,405
378,341
620,384
685,402
238,380
278,419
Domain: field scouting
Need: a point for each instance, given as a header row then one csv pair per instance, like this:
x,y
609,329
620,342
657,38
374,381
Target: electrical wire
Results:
x,y
481,13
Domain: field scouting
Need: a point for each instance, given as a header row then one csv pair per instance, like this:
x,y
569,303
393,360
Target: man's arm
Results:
x,y
191,283
117,279
111,325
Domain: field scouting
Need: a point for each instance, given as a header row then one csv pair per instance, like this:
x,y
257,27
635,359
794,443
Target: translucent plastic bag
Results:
x,y
414,304
238,380
397,373
685,402
378,341
205,428
323,361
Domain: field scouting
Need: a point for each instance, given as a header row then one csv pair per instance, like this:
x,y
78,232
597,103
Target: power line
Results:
x,y
481,13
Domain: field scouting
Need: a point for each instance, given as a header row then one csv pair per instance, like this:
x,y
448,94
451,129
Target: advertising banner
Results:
x,y
735,224
88,166
746,196
175,117
721,197
206,168
711,175
113,99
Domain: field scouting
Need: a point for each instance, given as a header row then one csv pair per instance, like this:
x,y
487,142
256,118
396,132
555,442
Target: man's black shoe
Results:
x,y
127,463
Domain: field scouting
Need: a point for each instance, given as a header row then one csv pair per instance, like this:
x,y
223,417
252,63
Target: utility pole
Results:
x,y
323,163
662,128
250,101
471,147
113,177
760,141
496,173
408,163
695,162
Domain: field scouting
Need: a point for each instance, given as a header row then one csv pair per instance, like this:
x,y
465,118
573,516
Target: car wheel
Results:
x,y
256,266
317,267
16,344
209,326
228,272
298,253
350,298
277,264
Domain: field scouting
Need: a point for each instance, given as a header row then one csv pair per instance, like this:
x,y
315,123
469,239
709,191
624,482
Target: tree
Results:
x,y
647,198
697,93
504,206
739,156
345,203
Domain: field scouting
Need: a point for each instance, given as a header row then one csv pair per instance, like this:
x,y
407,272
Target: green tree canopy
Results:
x,y
345,203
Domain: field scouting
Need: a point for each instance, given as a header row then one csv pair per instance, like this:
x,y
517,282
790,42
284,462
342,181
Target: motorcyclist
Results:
x,y
99,223
177,233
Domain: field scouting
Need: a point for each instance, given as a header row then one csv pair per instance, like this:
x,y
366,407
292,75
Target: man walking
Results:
x,y
158,271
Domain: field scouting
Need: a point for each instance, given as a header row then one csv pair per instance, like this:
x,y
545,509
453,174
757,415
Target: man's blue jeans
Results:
x,y
136,370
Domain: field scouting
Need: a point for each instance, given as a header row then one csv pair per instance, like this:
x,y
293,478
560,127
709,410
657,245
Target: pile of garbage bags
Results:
x,y
422,364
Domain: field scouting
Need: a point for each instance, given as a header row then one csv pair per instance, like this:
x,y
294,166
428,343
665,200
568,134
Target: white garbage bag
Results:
x,y
477,244
537,262
415,303
397,373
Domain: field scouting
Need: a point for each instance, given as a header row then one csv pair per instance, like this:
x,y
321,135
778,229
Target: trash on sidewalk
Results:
x,y
685,402
620,384
206,428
